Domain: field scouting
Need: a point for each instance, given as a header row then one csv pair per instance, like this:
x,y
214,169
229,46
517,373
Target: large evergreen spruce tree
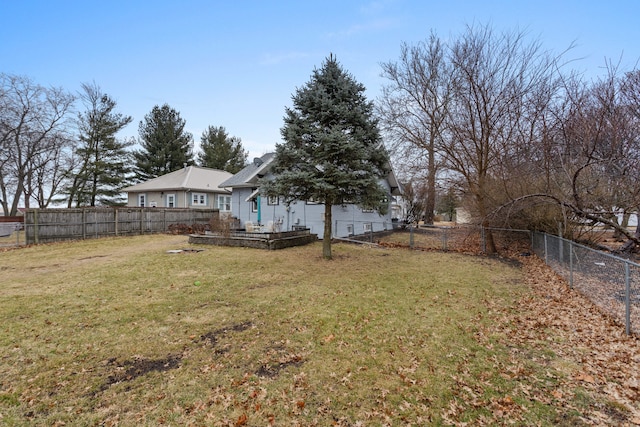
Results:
x,y
332,151
103,160
220,151
166,145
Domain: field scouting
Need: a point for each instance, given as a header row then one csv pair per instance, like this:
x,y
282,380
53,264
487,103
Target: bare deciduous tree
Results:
x,y
592,159
598,157
501,85
413,108
32,137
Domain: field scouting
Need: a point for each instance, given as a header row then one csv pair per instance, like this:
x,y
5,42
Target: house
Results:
x,y
189,187
251,208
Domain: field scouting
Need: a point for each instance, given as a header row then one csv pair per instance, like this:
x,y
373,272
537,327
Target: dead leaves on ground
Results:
x,y
591,351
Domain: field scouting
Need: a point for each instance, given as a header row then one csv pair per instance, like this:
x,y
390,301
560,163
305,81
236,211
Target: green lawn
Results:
x,y
120,332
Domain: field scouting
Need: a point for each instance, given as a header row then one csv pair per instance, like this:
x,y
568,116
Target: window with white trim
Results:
x,y
273,200
254,204
224,203
312,201
350,229
198,199
367,227
170,201
142,200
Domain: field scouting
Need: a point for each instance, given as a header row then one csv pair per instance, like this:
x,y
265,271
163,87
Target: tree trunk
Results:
x,y
630,245
617,235
326,239
431,187
490,244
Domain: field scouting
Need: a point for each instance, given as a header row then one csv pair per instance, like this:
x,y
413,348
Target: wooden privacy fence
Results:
x,y
48,225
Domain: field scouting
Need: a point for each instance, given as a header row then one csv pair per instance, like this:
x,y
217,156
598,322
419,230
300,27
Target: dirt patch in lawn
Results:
x,y
211,338
130,369
272,370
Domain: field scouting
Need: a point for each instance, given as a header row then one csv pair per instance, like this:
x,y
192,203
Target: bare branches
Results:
x,y
494,110
33,130
413,109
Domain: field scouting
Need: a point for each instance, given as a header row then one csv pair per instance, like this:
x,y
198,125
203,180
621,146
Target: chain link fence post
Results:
x,y
444,239
411,236
571,265
627,297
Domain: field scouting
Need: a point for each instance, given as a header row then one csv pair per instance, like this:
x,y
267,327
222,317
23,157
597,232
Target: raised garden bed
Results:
x,y
267,240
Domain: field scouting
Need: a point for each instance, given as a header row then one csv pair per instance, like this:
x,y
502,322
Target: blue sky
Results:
x,y
237,63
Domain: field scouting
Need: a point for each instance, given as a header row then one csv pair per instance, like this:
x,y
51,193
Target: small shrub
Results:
x,y
223,225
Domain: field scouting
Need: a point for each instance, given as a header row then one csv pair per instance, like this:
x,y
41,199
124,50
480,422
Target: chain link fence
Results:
x,y
610,282
12,235
466,239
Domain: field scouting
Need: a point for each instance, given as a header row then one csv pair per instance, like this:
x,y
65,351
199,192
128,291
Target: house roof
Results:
x,y
249,175
189,178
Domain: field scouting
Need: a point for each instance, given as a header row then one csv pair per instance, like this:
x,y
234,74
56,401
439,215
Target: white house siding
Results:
x,y
633,220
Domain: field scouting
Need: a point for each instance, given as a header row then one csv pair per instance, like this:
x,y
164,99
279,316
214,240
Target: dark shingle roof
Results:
x,y
248,176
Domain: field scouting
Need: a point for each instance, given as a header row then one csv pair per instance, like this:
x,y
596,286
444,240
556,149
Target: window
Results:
x,y
198,199
367,227
273,200
224,203
254,204
142,198
350,229
171,201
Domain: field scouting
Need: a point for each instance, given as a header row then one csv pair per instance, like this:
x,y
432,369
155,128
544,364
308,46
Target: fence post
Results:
x,y
444,239
571,264
627,297
532,236
115,220
84,223
483,243
560,244
35,226
411,236
546,257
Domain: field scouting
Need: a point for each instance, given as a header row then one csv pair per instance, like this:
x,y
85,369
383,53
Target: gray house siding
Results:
x,y
182,199
347,219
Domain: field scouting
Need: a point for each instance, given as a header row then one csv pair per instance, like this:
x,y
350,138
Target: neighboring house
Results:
x,y
189,187
20,211
252,208
463,216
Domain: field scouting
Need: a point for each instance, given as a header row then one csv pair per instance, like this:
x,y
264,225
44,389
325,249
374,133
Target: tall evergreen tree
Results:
x,y
166,146
103,160
219,151
332,151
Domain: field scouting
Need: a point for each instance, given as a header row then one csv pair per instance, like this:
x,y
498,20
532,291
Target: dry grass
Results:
x,y
120,332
